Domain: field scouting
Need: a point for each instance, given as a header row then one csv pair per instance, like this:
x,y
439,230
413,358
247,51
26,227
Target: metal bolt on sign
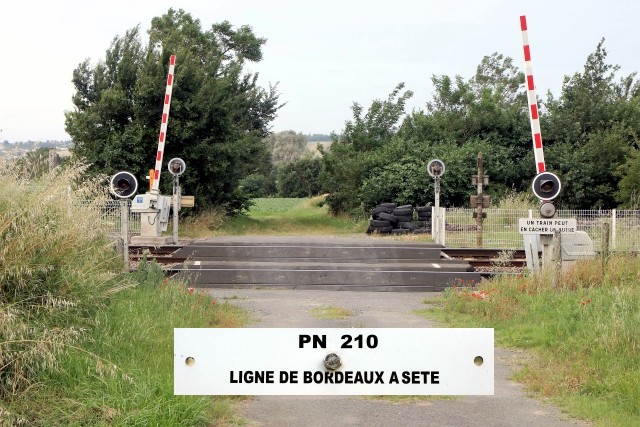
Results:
x,y
332,361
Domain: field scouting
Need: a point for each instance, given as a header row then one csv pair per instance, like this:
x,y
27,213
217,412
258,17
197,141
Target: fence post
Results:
x,y
557,259
614,215
53,159
442,227
124,232
605,248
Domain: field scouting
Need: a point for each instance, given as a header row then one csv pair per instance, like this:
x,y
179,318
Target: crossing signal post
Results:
x,y
436,168
124,185
176,168
152,206
546,185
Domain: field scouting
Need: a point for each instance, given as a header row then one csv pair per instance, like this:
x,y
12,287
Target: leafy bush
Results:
x,y
258,185
300,178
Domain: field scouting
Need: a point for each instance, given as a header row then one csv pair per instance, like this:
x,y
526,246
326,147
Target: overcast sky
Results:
x,y
325,55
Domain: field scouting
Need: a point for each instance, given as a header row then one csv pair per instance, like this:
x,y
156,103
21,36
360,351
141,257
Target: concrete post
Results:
x,y
124,232
176,207
436,222
479,204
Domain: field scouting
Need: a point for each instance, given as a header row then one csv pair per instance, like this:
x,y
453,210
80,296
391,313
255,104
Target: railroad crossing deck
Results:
x,y
346,264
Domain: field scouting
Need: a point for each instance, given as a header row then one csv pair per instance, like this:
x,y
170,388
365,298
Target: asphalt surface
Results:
x,y
509,406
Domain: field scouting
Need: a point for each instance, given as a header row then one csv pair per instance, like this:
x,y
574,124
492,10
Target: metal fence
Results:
x,y
500,228
110,214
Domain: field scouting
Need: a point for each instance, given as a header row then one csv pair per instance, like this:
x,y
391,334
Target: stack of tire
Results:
x,y
389,218
424,214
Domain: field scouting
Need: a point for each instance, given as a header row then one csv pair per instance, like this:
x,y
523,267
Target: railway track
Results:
x,y
161,254
488,257
484,258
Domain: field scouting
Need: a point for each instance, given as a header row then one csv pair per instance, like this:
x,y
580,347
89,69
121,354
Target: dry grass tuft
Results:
x,y
204,223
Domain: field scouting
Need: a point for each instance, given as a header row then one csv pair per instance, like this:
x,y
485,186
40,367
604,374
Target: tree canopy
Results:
x,y
590,134
219,114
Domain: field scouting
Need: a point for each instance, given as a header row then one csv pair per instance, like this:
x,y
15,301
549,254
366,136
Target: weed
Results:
x,y
55,271
331,312
515,200
504,259
204,223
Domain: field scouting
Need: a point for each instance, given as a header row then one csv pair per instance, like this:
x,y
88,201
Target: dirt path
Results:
x,y
291,308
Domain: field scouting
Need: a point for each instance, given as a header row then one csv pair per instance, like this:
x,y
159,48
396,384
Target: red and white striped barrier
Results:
x,y
532,100
163,126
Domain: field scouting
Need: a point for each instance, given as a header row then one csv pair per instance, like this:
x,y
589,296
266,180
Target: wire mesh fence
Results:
x,y
110,214
500,227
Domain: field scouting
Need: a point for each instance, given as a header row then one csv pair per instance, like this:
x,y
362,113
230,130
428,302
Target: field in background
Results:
x,y
313,146
277,216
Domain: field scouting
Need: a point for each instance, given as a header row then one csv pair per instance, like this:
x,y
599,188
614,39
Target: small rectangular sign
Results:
x,y
547,226
333,361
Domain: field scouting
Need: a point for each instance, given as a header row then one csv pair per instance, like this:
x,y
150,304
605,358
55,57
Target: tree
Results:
x,y
488,109
300,178
286,146
353,153
219,115
629,187
258,185
591,128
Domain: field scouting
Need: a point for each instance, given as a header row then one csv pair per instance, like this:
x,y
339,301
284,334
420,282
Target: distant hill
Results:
x,y
318,137
19,149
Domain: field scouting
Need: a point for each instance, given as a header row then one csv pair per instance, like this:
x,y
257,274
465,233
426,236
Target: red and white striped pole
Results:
x,y
163,126
532,100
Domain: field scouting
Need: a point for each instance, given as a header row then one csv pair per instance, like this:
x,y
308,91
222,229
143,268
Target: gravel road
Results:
x,y
509,406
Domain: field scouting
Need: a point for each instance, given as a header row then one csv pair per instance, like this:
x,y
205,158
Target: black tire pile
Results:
x,y
389,218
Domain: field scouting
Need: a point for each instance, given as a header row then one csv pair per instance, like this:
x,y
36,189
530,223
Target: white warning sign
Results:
x,y
333,361
547,226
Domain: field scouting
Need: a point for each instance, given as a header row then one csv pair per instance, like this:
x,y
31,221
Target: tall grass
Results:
x,y
124,373
585,334
82,343
55,270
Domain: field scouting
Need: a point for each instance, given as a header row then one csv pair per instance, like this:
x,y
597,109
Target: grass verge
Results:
x,y
122,373
585,335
